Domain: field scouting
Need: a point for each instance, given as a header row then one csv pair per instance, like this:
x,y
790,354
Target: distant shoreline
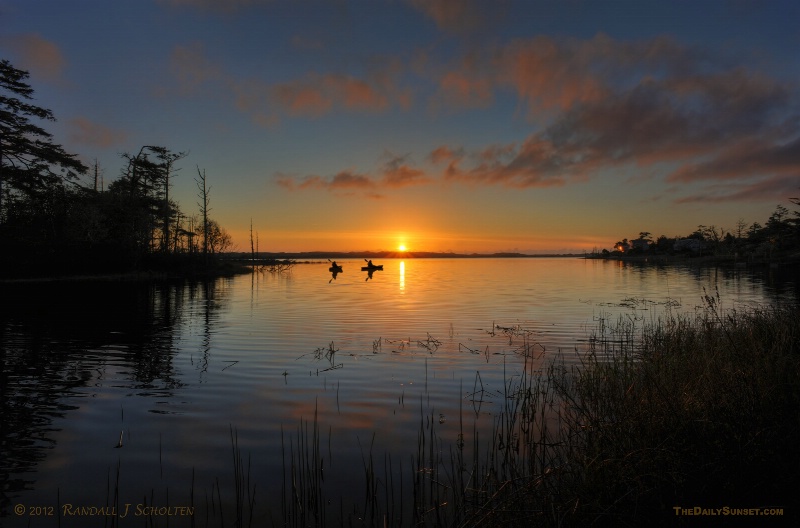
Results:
x,y
704,260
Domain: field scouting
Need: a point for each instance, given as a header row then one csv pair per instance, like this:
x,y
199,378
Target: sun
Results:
x,y
401,248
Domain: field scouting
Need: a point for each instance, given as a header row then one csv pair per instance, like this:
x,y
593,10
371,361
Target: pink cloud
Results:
x,y
453,15
464,91
85,132
319,94
40,56
547,73
252,97
445,153
190,66
312,96
302,99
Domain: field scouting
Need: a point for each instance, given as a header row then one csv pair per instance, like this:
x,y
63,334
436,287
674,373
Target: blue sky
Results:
x,y
442,125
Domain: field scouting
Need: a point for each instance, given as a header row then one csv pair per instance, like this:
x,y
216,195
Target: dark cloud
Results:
x,y
647,104
344,180
770,189
396,173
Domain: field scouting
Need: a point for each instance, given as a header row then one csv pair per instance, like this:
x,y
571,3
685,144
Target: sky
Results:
x,y
439,125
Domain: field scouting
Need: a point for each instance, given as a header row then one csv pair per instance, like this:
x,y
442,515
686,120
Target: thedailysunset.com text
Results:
x,y
727,510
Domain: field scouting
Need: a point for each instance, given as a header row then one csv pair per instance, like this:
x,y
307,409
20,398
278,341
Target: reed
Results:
x,y
695,409
245,493
692,409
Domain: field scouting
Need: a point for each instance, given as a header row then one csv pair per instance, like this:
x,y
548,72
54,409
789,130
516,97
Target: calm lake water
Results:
x,y
178,373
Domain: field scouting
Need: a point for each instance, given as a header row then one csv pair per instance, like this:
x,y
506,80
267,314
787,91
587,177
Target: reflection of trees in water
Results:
x,y
210,301
778,283
57,338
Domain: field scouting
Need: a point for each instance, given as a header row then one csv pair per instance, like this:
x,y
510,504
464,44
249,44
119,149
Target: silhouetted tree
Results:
x,y
204,190
219,240
31,165
169,209
147,210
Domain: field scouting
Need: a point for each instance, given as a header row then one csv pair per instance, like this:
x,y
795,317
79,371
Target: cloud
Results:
x,y
40,56
710,125
394,174
85,132
534,164
397,173
460,90
316,94
749,158
312,96
457,16
445,153
547,73
344,180
772,189
350,180
191,68
677,111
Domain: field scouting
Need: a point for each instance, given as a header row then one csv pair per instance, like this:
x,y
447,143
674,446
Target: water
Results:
x,y
171,372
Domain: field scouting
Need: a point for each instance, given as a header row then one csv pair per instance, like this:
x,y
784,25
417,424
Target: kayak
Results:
x,y
372,268
335,269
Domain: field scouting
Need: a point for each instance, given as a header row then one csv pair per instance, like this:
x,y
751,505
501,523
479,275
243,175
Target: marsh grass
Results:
x,y
698,409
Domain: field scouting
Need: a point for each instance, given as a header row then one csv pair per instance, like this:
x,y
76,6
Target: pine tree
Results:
x,y
31,165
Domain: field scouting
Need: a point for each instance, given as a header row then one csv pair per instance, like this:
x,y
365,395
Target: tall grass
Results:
x,y
699,410
693,410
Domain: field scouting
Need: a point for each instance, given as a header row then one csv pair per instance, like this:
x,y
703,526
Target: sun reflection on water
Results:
x,y
402,276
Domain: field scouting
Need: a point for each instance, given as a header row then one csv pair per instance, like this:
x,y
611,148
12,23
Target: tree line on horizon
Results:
x,y
777,239
52,223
